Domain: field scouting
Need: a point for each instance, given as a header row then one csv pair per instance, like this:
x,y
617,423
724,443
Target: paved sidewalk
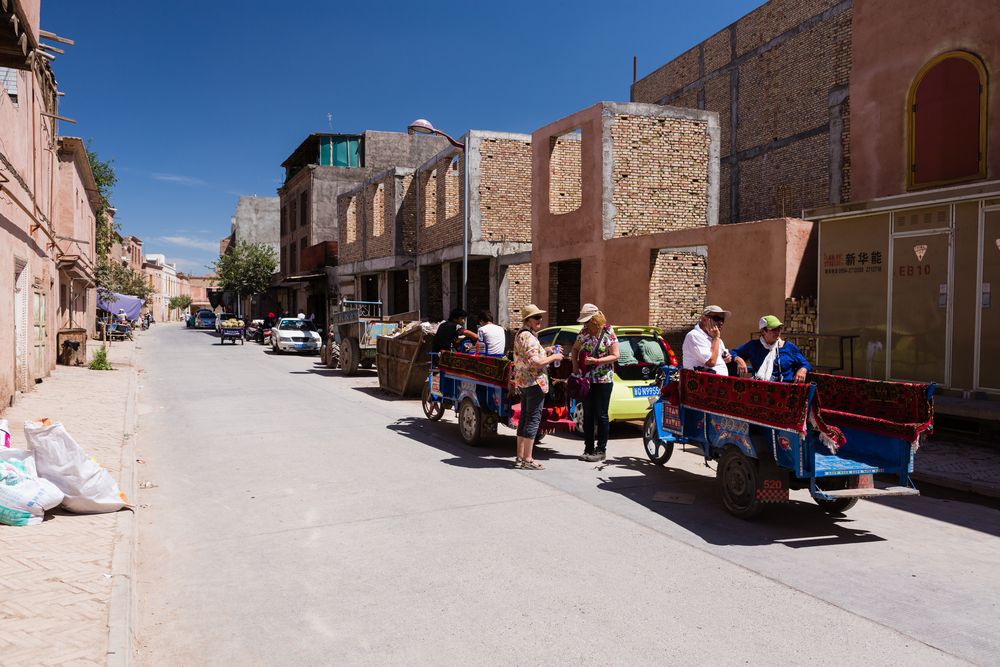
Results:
x,y
58,584
955,464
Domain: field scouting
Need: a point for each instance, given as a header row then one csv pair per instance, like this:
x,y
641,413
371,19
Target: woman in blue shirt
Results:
x,y
771,357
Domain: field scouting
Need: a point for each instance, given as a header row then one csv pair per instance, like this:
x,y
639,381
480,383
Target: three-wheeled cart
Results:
x,y
830,435
231,333
354,332
477,388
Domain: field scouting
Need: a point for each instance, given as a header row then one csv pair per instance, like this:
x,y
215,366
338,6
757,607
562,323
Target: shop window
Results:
x,y
947,121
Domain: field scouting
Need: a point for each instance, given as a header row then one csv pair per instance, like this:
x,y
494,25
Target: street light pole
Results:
x,y
423,126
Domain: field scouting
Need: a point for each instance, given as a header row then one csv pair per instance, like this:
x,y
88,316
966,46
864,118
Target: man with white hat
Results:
x,y
703,346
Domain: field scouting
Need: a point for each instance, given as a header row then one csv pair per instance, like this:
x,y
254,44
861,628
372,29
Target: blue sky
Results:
x,y
198,102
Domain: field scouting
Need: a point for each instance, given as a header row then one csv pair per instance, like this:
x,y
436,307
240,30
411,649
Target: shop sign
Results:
x,y
853,262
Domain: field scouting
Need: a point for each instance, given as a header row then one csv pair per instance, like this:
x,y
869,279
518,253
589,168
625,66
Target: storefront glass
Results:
x,y
989,319
919,317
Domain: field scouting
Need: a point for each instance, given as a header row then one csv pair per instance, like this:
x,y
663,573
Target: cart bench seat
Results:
x,y
909,432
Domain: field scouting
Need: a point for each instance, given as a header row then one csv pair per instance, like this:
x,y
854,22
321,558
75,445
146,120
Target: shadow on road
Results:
x,y
794,524
379,393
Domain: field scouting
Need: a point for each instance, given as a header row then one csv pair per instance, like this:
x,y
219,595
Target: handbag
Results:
x,y
578,385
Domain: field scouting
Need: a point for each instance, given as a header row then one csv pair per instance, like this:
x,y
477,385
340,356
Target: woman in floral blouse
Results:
x,y
594,354
529,376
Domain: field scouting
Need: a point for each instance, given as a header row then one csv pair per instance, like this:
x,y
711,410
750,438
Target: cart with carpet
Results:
x,y
478,389
831,435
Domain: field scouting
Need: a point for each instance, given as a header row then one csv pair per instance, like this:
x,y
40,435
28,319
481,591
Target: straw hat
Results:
x,y
530,311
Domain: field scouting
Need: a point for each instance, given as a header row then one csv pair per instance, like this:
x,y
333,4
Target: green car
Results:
x,y
642,352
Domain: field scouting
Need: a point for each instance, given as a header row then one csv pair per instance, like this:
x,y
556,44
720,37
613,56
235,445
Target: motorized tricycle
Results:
x,y
830,435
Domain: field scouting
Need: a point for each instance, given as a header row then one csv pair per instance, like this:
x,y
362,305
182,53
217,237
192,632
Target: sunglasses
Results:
x,y
537,318
718,319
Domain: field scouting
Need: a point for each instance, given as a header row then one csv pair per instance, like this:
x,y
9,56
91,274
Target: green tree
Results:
x,y
107,229
246,268
182,302
115,277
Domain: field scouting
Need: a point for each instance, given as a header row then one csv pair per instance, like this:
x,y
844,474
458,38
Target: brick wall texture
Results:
x,y
660,174
518,292
565,175
784,68
678,290
370,221
800,317
440,216
505,190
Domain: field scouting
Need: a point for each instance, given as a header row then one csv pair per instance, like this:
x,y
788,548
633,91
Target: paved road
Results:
x,y
299,516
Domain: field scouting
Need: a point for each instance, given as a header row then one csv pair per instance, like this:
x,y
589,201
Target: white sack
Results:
x,y
24,497
89,488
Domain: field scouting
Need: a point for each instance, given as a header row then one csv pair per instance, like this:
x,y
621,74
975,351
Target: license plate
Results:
x,y
640,392
300,345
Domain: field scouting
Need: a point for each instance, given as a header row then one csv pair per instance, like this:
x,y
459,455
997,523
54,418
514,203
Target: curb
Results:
x,y
948,482
121,613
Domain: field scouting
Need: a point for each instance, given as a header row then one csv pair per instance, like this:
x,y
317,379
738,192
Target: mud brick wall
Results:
x,y
440,217
778,78
800,317
565,182
678,290
351,246
660,174
505,190
408,213
518,292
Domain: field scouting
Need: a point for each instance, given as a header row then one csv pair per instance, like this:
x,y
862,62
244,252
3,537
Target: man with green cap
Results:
x,y
771,357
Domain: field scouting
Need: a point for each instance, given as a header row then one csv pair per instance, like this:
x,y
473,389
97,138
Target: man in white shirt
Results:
x,y
492,336
703,346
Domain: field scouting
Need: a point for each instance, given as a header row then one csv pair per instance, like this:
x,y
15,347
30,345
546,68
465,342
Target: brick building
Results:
x,y
624,207
779,80
316,173
127,250
401,232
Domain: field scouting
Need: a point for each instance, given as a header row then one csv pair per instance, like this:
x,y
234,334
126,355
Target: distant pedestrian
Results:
x,y
594,355
529,377
492,336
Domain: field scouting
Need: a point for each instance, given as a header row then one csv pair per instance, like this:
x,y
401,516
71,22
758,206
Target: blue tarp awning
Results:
x,y
130,304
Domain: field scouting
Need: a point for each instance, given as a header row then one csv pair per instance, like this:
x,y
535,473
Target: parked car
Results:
x,y
222,318
205,319
643,352
294,335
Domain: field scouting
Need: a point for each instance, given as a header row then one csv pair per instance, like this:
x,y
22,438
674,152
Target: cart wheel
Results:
x,y
367,363
350,355
737,474
840,505
433,409
470,423
578,418
658,451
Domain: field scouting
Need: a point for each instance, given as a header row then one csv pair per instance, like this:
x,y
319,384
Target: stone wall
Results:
x,y
660,174
778,78
678,291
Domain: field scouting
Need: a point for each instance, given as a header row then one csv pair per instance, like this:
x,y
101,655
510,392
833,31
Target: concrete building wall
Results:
x,y
778,78
892,41
28,273
256,220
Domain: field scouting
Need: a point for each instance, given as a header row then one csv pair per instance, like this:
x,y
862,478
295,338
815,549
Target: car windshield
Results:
x,y
637,349
206,313
296,325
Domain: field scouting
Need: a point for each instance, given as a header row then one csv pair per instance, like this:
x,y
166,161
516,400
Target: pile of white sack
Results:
x,y
54,470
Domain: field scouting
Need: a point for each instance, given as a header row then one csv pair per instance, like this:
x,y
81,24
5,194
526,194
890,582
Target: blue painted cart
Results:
x,y
476,388
838,433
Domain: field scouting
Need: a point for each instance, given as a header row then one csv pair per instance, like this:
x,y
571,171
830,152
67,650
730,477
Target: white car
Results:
x,y
291,334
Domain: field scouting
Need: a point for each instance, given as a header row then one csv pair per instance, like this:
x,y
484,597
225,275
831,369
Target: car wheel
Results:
x,y
274,347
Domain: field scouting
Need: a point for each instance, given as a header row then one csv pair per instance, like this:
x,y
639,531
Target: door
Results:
x,y
989,311
41,333
920,303
21,358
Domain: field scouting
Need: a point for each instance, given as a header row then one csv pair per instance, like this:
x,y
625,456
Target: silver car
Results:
x,y
291,334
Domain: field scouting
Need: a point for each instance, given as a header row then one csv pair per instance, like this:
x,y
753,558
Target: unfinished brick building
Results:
x,y
624,206
401,232
778,79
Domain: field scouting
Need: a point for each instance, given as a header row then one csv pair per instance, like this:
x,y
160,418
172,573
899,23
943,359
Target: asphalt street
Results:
x,y
292,515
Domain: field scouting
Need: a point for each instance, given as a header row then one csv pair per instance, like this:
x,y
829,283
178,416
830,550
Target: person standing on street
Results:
x,y
491,335
594,355
529,377
703,347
